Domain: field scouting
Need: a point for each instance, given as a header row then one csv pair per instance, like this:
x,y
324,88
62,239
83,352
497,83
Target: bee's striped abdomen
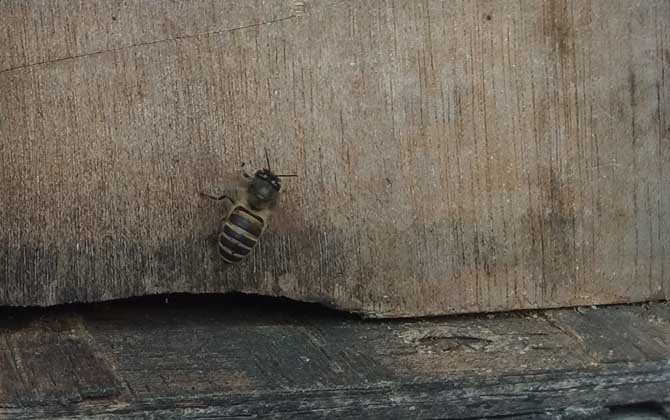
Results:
x,y
239,235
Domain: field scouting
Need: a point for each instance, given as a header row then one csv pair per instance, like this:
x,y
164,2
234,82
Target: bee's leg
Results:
x,y
244,172
222,197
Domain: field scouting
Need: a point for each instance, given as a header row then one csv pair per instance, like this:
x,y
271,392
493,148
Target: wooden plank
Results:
x,y
199,358
457,156
50,361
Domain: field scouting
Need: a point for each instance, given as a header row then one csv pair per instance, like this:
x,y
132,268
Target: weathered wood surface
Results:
x,y
221,359
454,156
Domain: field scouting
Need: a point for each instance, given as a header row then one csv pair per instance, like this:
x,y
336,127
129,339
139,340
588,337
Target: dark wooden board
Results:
x,y
453,156
216,357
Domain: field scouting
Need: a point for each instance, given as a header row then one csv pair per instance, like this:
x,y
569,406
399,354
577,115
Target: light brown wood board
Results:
x,y
453,156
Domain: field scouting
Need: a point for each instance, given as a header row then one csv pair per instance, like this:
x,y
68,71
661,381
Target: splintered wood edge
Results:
x,y
231,362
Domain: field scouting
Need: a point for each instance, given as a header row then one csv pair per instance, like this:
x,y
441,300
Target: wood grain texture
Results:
x,y
454,156
218,358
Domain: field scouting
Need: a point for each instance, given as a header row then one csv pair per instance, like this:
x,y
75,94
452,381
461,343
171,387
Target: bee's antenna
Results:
x,y
267,159
285,176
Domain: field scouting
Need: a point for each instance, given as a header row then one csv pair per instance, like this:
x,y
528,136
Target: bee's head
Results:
x,y
265,185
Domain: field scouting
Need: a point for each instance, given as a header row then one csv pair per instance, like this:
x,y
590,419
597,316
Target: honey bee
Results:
x,y
249,213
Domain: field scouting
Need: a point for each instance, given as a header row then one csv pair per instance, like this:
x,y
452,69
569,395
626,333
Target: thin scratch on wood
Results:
x,y
144,44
